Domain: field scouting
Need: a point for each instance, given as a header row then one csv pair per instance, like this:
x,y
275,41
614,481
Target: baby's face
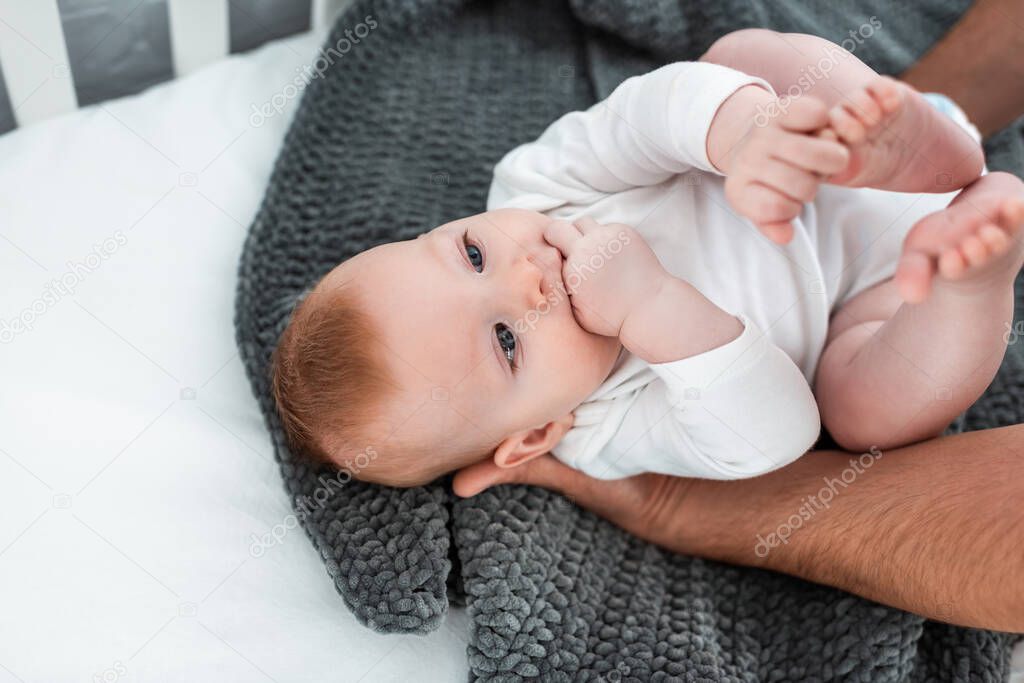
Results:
x,y
478,331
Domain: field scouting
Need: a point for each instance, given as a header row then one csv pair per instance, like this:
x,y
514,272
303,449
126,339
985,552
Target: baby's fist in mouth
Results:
x,y
608,271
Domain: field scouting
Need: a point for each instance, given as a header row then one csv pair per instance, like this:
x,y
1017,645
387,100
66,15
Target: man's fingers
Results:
x,y
561,235
545,471
641,505
480,476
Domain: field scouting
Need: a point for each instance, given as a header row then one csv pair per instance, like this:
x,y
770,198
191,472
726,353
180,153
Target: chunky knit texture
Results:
x,y
400,135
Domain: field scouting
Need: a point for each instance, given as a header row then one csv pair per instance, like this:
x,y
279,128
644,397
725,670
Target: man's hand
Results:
x,y
956,507
609,271
778,163
651,506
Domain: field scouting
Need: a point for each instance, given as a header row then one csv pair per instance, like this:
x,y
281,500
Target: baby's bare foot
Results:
x,y
899,142
969,242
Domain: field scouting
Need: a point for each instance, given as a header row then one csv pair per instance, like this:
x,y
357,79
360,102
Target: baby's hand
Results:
x,y
779,164
608,270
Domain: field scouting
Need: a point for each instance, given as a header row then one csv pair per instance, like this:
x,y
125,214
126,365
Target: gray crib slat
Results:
x,y
116,47
254,22
7,121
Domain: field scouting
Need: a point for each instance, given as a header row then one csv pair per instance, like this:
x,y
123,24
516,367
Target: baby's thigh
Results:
x,y
876,304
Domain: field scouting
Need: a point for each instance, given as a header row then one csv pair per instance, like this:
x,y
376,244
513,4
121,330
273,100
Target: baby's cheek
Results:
x,y
582,360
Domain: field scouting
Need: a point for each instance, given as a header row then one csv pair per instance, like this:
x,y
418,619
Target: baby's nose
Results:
x,y
531,279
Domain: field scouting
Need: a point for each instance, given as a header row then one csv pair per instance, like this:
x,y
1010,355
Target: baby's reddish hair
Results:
x,y
328,376
332,388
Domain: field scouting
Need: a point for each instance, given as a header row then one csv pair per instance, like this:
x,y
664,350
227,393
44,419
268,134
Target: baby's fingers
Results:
x,y
767,208
814,154
780,233
562,235
803,114
586,225
791,181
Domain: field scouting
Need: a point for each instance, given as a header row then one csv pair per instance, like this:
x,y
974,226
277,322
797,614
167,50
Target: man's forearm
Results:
x,y
936,528
979,65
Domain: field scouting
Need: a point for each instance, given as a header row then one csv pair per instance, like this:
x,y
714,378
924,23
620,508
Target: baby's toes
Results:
x,y
862,106
995,238
952,264
942,231
914,276
974,251
1011,215
888,93
849,129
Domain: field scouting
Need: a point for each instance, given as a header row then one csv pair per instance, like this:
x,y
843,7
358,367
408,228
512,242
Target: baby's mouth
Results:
x,y
557,283
551,272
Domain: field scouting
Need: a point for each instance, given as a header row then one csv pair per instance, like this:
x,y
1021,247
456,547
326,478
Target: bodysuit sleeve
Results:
x,y
650,128
736,411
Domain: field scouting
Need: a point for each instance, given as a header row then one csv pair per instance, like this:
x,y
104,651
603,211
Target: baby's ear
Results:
x,y
527,444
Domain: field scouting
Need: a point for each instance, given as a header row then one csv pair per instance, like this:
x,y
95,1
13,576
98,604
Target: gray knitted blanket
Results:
x,y
400,134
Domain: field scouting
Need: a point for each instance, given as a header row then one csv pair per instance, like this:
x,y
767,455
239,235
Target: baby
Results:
x,y
661,280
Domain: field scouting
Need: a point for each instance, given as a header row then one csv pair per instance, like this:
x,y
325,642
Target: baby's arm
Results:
x,y
650,128
687,115
740,410
728,403
720,409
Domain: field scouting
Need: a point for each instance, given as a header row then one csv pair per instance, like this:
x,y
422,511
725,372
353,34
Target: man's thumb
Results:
x,y
480,476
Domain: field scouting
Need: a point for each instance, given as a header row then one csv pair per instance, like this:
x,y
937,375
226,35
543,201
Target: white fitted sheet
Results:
x,y
135,466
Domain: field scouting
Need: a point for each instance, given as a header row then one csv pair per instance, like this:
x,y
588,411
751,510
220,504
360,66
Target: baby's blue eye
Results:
x,y
507,342
476,257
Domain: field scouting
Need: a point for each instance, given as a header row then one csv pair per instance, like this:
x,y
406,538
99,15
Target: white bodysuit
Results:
x,y
744,408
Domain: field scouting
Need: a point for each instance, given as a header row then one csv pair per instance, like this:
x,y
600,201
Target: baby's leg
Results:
x,y
893,372
966,240
897,140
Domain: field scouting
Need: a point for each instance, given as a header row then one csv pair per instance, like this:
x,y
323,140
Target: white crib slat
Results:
x,y
35,60
199,32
